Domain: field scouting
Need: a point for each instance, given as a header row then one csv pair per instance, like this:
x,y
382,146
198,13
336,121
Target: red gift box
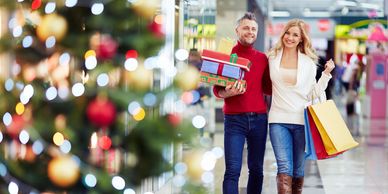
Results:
x,y
222,58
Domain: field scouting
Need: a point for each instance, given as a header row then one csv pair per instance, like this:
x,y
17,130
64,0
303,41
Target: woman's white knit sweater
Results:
x,y
289,102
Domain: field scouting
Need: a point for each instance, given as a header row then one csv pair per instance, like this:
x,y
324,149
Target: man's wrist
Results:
x,y
222,93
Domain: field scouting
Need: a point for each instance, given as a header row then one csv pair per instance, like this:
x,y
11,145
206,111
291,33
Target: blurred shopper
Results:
x,y
245,112
293,68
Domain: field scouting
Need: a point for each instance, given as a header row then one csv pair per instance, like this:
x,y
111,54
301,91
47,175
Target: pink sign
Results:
x,y
377,85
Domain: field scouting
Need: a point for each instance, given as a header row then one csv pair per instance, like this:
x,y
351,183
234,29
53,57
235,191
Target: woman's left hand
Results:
x,y
329,66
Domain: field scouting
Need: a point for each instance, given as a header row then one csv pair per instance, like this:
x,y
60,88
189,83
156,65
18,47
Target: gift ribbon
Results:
x,y
220,68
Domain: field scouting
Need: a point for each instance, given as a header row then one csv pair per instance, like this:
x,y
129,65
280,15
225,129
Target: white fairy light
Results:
x,y
65,147
91,62
199,121
50,7
90,180
181,54
3,169
208,161
118,183
50,42
27,41
179,180
180,168
51,93
149,99
207,177
9,84
7,119
150,63
24,137
131,64
63,92
13,188
78,89
37,147
64,59
17,31
97,8
12,23
129,191
102,80
218,152
134,107
71,3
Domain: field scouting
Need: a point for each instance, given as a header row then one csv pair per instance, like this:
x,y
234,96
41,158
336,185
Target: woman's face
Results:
x,y
292,37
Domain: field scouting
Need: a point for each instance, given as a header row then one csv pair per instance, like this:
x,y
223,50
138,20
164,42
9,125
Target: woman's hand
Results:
x,y
329,66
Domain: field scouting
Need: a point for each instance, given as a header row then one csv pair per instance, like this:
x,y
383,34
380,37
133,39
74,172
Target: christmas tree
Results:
x,y
81,110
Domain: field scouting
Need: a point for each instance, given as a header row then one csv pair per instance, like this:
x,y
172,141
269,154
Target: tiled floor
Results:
x,y
363,170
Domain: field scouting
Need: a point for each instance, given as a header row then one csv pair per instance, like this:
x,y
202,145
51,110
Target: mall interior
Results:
x,y
108,96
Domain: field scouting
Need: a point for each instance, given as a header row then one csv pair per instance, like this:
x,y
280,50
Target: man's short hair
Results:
x,y
247,16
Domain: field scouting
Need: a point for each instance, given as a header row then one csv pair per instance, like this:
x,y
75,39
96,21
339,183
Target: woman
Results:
x,y
293,68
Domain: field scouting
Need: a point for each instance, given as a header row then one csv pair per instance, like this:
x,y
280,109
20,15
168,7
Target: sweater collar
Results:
x,y
243,48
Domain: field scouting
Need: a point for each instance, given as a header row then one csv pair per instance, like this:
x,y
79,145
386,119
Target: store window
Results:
x,y
199,24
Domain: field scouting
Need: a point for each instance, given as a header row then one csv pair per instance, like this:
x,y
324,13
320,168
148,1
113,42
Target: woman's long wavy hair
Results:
x,y
304,46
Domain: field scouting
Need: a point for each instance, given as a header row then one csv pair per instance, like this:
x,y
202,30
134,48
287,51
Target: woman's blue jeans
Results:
x,y
238,128
288,143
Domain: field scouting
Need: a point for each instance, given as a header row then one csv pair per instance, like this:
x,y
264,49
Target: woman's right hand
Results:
x,y
329,66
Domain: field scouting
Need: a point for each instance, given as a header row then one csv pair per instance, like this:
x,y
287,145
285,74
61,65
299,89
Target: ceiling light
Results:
x,y
370,6
345,10
318,14
347,3
280,13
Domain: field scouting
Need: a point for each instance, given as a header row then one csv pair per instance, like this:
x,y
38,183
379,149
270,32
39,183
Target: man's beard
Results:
x,y
247,43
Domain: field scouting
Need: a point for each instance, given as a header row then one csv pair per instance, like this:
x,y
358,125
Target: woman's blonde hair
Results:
x,y
304,46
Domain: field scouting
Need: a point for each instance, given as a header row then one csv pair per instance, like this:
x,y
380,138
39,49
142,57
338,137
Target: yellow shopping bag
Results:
x,y
335,134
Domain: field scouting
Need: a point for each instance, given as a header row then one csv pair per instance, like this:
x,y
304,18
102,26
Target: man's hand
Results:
x,y
232,90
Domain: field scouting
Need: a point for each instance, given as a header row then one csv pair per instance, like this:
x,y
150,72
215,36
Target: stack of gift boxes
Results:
x,y
222,69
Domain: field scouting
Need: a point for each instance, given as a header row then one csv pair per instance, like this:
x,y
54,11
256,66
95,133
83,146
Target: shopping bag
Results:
x,y
335,134
318,152
309,147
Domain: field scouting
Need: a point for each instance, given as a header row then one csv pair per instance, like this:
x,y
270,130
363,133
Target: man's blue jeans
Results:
x,y
252,127
288,143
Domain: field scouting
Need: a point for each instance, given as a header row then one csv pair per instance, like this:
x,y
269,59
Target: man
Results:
x,y
245,112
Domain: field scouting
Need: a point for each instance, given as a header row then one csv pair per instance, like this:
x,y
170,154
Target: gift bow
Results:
x,y
233,58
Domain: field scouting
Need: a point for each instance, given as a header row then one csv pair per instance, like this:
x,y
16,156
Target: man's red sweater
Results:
x,y
258,81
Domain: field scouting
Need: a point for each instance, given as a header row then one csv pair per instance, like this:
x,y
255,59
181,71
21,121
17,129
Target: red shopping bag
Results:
x,y
318,143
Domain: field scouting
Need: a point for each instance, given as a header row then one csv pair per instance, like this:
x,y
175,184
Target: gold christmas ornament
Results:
x,y
63,171
140,79
187,79
146,8
52,25
193,161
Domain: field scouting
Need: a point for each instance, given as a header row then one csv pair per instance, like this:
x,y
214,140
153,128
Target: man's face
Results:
x,y
247,32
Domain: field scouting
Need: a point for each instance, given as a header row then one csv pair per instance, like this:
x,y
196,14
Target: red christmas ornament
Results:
x,y
101,112
36,4
174,119
131,54
16,126
105,142
156,29
107,48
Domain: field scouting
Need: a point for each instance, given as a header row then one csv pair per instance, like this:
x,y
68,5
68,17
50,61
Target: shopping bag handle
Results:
x,y
315,99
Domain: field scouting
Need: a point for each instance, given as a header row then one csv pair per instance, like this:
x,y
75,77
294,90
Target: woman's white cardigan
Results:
x,y
288,102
